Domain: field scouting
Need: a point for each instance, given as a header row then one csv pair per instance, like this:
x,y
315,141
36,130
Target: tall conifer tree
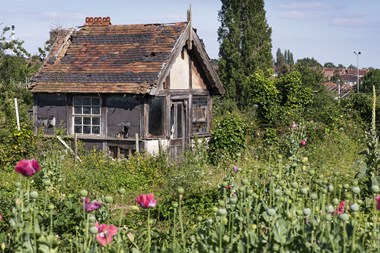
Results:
x,y
245,44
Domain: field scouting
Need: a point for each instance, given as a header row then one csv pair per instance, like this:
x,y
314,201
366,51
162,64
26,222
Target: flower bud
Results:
x,y
93,230
233,200
91,219
18,185
330,188
199,218
46,181
344,217
335,201
313,196
224,184
51,207
180,190
108,199
174,204
278,192
33,194
294,185
375,188
306,211
83,193
356,189
122,191
354,207
245,181
304,190
330,209
271,212
222,212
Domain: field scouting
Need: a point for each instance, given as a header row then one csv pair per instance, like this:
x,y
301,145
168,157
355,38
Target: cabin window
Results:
x,y
156,116
200,113
86,114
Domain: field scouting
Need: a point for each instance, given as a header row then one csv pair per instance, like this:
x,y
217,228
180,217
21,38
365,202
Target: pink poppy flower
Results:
x,y
1,217
378,202
105,233
228,187
303,143
235,169
340,209
91,206
146,200
27,167
294,125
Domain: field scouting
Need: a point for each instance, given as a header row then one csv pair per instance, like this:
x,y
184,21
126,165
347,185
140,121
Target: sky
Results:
x,y
326,30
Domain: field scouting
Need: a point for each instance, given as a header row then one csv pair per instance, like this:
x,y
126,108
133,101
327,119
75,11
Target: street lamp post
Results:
x,y
357,69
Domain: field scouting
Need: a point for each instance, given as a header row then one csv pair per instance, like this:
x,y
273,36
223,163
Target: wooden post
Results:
x,y
17,116
137,143
75,147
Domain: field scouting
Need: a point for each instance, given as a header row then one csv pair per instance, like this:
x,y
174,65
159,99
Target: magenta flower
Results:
x,y
294,125
303,143
340,209
378,202
1,217
27,167
91,206
146,200
105,233
235,169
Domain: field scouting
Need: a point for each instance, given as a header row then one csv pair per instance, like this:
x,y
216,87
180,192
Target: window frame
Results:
x,y
205,119
80,103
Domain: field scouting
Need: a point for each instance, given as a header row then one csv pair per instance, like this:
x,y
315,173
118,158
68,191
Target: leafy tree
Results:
x,y
329,65
263,96
284,61
371,78
16,67
311,73
245,45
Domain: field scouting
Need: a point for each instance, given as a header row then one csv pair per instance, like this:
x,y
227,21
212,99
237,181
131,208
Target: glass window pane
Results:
x,y
86,110
77,101
86,129
78,110
78,129
96,121
179,121
96,130
78,120
156,116
96,101
87,121
86,101
95,110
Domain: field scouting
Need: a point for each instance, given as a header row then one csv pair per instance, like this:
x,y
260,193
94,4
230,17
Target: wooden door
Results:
x,y
177,129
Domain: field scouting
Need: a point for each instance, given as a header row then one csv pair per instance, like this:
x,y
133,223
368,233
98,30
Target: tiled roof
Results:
x,y
108,58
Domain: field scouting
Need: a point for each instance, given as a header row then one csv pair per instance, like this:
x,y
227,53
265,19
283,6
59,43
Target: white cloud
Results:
x,y
306,6
293,15
349,22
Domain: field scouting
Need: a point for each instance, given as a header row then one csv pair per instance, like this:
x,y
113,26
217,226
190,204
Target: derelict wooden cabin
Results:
x,y
110,84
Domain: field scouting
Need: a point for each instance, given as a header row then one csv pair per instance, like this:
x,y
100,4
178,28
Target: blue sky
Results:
x,y
329,31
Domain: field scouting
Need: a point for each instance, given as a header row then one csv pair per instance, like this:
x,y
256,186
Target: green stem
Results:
x,y
34,224
174,229
149,238
220,234
181,223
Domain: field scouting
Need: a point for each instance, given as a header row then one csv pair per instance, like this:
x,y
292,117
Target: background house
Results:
x,y
122,87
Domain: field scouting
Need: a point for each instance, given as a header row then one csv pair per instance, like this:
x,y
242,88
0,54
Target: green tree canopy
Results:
x,y
371,78
245,45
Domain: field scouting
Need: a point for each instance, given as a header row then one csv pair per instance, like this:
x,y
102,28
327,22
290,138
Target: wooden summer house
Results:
x,y
121,87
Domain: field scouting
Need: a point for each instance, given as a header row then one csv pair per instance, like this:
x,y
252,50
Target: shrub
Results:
x,y
228,139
